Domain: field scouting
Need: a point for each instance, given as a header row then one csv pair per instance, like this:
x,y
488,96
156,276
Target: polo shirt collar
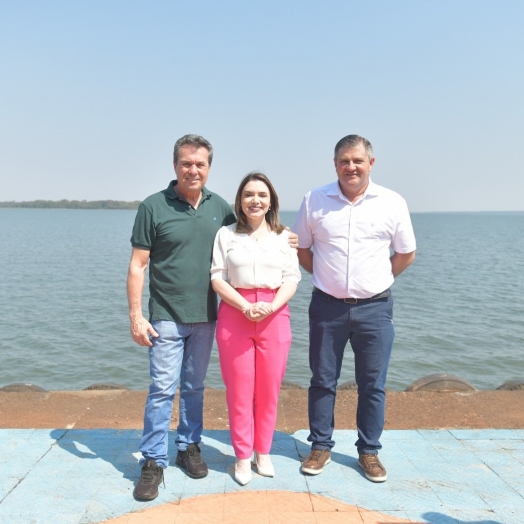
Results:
x,y
173,195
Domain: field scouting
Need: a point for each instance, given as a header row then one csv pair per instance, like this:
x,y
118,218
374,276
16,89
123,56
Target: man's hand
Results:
x,y
140,330
292,239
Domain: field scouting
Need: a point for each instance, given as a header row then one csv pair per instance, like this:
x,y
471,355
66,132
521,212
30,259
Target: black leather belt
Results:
x,y
351,300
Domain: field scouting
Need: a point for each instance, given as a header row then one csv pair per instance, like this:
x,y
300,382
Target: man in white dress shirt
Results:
x,y
345,231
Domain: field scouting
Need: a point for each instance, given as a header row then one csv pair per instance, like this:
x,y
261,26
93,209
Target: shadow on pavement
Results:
x,y
433,517
115,448
107,450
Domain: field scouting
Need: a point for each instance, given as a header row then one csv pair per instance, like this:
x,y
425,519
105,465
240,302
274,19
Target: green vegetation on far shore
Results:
x,y
73,204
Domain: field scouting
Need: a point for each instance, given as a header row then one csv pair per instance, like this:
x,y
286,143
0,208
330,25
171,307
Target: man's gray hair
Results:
x,y
195,141
352,141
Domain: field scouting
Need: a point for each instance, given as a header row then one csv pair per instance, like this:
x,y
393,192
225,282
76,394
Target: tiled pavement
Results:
x,y
435,476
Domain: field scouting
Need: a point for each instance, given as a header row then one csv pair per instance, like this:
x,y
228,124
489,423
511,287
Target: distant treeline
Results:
x,y
74,204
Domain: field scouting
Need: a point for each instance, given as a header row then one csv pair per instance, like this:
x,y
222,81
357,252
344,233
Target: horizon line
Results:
x,y
16,205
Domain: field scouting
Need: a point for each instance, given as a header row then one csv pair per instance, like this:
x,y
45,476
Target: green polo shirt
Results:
x,y
180,240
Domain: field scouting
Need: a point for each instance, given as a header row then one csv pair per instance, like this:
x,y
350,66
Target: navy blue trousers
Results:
x,y
368,326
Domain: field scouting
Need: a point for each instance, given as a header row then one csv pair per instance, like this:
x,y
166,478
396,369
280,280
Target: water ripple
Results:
x,y
459,309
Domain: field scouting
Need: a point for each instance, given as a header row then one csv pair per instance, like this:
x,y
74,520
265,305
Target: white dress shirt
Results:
x,y
246,263
351,242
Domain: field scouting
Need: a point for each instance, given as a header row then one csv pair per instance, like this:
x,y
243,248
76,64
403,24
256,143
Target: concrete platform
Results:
x,y
437,476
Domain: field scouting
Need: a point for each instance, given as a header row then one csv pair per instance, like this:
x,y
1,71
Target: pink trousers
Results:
x,y
253,358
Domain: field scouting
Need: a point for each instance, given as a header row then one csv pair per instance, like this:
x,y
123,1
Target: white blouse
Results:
x,y
246,263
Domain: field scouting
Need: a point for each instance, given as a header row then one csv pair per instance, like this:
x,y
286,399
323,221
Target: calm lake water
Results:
x,y
63,324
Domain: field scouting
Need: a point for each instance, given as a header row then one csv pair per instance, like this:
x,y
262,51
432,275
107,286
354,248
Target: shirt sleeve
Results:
x,y
404,239
219,263
291,269
301,227
144,232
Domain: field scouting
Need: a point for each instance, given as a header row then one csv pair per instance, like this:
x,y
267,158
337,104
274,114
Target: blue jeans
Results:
x,y
181,352
369,328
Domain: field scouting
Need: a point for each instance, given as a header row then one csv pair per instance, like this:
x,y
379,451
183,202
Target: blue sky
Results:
x,y
94,94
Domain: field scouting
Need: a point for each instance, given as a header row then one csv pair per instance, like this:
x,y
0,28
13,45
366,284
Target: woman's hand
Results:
x,y
264,308
259,311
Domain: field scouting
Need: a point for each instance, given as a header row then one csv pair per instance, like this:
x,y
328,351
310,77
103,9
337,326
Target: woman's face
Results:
x,y
255,199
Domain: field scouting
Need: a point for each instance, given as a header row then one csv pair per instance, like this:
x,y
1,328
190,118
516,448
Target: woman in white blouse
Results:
x,y
255,272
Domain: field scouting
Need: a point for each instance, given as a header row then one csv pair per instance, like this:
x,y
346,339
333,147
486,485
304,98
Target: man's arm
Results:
x,y
140,328
400,261
305,258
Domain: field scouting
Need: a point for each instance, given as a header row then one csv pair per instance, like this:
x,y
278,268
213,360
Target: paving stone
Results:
x,y
444,476
488,434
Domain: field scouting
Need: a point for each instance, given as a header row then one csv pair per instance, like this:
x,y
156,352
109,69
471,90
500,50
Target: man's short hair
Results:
x,y
352,141
195,141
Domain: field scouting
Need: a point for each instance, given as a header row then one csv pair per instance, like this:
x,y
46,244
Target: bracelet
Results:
x,y
245,308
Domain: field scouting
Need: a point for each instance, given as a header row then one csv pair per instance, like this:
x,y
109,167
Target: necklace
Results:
x,y
259,234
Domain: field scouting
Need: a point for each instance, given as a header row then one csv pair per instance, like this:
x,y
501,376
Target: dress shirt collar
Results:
x,y
372,190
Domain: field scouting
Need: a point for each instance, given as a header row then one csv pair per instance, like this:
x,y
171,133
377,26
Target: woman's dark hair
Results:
x,y
272,217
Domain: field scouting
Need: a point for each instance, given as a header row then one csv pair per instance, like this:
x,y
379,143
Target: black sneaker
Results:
x,y
150,478
192,462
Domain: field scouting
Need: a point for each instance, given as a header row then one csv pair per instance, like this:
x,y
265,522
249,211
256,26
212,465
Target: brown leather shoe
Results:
x,y
373,468
316,461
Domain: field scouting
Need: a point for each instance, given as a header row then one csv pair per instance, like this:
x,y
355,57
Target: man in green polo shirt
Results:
x,y
174,233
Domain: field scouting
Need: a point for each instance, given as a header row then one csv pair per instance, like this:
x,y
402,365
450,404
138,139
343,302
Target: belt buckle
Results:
x,y
350,300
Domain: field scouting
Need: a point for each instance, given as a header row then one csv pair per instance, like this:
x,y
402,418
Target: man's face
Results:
x,y
192,169
353,167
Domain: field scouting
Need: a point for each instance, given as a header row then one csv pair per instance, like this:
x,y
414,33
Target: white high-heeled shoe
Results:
x,y
243,471
264,465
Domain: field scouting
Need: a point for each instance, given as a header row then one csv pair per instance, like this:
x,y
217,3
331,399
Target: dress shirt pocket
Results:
x,y
376,229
